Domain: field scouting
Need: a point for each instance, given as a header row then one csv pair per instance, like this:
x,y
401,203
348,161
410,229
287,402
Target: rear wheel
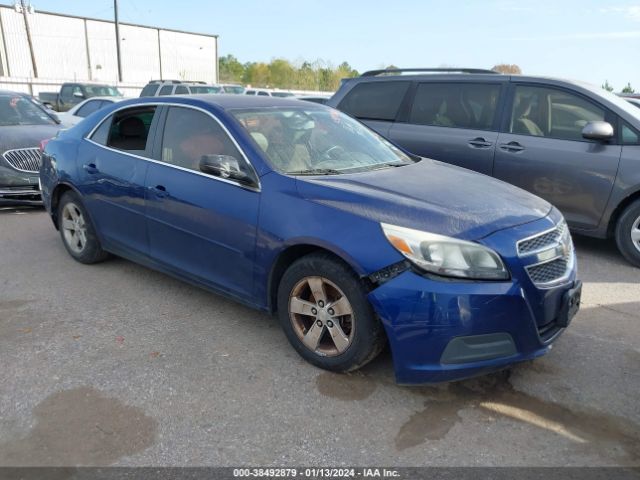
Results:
x,y
77,231
324,312
628,233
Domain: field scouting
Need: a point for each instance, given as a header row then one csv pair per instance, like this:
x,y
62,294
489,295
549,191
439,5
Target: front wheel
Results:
x,y
77,231
628,233
326,316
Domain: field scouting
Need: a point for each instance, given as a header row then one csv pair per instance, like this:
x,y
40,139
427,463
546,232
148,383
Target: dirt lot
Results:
x,y
118,364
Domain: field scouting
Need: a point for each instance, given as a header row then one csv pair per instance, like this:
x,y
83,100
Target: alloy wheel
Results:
x,y
74,228
322,316
635,234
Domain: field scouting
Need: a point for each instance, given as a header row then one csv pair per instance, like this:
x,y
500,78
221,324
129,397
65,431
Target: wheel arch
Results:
x,y
293,252
56,194
626,201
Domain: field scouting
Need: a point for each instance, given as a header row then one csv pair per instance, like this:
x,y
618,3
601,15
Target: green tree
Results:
x,y
628,89
230,69
281,74
607,86
256,74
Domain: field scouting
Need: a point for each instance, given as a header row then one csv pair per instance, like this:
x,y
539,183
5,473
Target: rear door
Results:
x,y
375,103
455,122
542,150
199,225
113,165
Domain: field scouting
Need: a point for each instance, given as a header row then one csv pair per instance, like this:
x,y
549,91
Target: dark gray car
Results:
x,y
23,125
572,144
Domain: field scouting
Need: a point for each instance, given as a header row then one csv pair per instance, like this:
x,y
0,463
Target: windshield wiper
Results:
x,y
316,171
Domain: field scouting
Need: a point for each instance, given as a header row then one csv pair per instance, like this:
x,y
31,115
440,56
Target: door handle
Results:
x,y
159,191
91,168
479,142
513,147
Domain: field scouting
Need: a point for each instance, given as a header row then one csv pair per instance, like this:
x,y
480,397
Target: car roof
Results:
x,y
11,92
224,102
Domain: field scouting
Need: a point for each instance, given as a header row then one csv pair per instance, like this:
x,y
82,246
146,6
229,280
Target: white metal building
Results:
x,y
69,48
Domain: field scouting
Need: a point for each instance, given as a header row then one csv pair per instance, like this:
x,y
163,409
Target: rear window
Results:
x,y
374,100
149,91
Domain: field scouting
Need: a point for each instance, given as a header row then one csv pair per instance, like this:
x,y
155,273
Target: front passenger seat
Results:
x,y
522,123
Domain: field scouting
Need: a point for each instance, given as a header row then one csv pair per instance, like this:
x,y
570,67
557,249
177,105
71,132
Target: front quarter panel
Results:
x,y
58,166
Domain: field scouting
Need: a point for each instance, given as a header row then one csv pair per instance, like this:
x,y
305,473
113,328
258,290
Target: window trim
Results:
x,y
497,116
159,130
609,116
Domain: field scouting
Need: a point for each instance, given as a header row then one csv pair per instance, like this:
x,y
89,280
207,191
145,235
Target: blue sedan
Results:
x,y
300,210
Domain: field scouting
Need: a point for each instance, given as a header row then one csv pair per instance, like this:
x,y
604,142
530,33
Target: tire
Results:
x,y
318,323
628,233
77,232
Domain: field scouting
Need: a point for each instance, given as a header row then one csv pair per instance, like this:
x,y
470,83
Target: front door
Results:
x,y
200,226
543,151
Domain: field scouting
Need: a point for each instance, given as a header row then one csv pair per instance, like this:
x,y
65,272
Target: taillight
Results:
x,y
43,143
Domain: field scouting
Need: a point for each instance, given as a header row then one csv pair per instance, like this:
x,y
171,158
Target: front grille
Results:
x,y
550,271
550,256
543,241
24,159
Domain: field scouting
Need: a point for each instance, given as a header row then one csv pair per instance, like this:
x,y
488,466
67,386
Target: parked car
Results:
x,y
268,93
24,124
86,108
232,88
298,209
575,145
73,93
177,87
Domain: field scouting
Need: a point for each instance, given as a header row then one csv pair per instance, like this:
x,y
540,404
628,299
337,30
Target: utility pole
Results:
x,y
28,30
115,10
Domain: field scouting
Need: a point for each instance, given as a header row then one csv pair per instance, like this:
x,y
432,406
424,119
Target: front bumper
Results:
x,y
442,330
19,188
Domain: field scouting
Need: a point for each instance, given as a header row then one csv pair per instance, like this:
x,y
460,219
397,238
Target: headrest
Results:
x,y
132,127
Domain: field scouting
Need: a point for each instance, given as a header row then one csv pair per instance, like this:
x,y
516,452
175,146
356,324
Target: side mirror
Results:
x,y
597,131
78,94
225,166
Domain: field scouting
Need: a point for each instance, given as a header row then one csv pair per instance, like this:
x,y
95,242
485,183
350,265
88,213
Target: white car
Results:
x,y
84,109
268,93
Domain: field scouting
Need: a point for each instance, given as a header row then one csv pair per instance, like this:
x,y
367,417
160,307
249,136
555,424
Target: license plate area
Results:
x,y
570,305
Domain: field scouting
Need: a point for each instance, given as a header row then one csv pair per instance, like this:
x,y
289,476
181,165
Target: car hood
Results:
x,y
429,196
25,136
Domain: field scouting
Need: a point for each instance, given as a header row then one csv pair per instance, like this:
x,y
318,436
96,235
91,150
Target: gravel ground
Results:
x,y
115,364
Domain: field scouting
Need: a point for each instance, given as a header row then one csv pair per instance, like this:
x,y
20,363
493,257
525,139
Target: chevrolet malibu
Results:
x,y
299,210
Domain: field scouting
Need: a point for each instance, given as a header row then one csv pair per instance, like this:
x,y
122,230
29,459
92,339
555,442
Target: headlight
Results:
x,y
445,255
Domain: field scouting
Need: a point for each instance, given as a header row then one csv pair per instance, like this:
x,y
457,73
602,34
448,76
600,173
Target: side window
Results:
x,y
128,129
374,100
629,135
182,90
88,108
264,94
458,105
166,90
547,112
149,90
101,135
250,92
190,135
65,92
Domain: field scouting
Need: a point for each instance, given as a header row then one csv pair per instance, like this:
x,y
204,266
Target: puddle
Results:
x,y
345,386
81,426
494,395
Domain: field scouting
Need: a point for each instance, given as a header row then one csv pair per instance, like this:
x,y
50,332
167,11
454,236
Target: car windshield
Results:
x,y
102,91
309,141
615,99
236,89
206,89
19,110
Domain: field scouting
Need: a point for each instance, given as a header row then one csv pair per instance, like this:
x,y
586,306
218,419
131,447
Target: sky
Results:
x,y
588,40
